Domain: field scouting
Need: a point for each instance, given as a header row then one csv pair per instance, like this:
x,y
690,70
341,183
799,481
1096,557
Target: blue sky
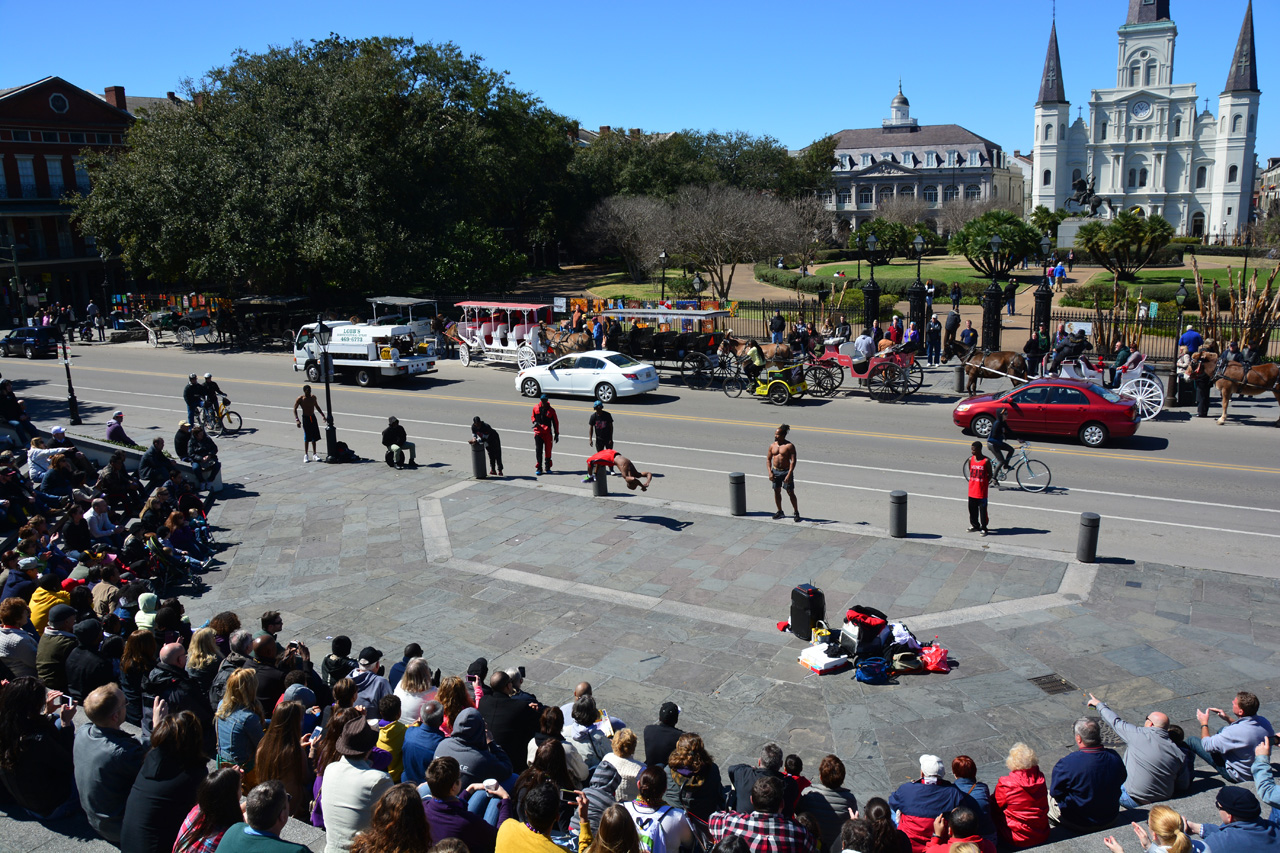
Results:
x,y
795,71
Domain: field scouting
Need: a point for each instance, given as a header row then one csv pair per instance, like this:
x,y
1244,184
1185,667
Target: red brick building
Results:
x,y
44,128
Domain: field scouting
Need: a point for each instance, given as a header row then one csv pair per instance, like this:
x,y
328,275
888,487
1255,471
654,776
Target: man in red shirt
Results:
x,y
612,458
546,424
979,482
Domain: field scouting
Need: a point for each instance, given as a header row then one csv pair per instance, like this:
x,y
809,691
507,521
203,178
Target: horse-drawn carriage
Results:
x,y
889,375
688,345
502,333
1137,381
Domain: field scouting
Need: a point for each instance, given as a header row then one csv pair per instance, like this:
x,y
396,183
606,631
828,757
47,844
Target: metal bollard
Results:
x,y
960,378
737,493
600,483
478,469
898,514
1087,542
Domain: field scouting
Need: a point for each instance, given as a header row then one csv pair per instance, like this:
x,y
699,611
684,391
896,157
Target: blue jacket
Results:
x,y
917,804
238,737
1192,340
478,759
1265,781
1086,784
1243,836
419,750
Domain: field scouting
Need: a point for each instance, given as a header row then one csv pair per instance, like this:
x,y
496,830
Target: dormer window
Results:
x,y
975,157
866,160
951,158
931,159
907,158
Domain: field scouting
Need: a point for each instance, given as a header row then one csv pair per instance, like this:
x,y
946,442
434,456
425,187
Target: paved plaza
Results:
x,y
653,600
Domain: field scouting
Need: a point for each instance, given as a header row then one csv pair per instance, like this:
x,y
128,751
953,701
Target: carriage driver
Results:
x,y
1070,349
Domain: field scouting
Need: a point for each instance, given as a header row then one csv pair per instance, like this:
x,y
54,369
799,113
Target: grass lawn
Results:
x,y
618,285
944,269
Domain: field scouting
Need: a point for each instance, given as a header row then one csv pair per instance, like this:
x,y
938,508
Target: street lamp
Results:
x,y
1181,298
918,242
915,293
991,302
662,258
870,290
1244,274
1044,292
73,405
17,282
698,284
323,335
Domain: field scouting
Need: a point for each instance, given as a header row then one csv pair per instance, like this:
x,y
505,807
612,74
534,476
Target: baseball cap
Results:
x,y
60,612
28,563
597,405
544,397
369,655
1239,803
117,414
208,376
58,430
931,765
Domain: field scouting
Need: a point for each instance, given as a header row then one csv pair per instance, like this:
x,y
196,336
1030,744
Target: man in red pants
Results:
x,y
626,469
546,430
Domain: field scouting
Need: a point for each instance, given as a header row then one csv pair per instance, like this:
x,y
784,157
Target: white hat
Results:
x,y
931,765
58,430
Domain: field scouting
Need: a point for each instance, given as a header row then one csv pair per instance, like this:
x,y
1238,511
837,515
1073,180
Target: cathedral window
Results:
x,y
1133,177
1135,70
1233,174
1047,178
1235,123
1102,135
1202,177
1177,127
1048,131
931,194
1151,73
1075,175
1253,122
1142,177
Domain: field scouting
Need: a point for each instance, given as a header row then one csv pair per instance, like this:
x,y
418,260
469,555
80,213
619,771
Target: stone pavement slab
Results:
x,y
653,600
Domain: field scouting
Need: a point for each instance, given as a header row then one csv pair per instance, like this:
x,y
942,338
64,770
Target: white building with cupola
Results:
x,y
1151,145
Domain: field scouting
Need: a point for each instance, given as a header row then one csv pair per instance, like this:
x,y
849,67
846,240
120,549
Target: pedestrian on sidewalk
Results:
x,y
397,442
956,294
546,430
1071,260
777,326
600,428
951,327
781,463
969,336
930,291
1059,276
979,483
488,438
306,421
1011,296
933,340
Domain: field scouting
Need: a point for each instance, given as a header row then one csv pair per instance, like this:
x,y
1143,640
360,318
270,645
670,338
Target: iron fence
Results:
x,y
1160,335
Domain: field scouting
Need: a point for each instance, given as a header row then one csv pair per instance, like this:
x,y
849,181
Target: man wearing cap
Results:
x,y
397,441
17,647
1084,792
492,443
59,441
56,644
182,441
1242,830
351,787
660,738
192,395
203,456
371,686
546,425
115,429
1152,761
600,428
920,801
1230,751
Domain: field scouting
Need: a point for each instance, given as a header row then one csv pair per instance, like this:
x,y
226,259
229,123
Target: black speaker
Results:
x,y
808,608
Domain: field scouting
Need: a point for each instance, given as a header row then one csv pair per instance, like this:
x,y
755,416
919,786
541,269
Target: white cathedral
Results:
x,y
1145,148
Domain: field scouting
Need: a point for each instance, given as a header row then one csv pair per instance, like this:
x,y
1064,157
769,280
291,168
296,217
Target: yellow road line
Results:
x,y
1041,448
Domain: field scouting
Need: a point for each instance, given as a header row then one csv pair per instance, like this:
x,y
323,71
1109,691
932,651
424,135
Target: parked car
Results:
x,y
30,341
1053,406
602,374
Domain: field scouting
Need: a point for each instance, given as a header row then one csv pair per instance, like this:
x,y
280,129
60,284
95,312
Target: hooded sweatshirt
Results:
x,y
370,688
477,759
145,618
87,668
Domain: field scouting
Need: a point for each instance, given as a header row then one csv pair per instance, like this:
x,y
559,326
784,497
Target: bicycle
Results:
x,y
221,420
1032,474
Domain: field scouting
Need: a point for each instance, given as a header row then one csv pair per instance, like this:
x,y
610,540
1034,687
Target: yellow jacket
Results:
x,y
42,601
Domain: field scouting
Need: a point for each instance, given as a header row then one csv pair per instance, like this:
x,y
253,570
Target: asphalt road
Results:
x,y
1183,491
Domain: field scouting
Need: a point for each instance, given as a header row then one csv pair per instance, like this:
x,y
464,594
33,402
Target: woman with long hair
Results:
x,y
414,689
325,751
166,787
694,782
203,657
224,624
282,754
454,697
35,751
399,824
183,538
885,836
238,721
1021,800
1168,834
217,808
616,833
652,817
551,728
623,765
154,512
344,696
139,658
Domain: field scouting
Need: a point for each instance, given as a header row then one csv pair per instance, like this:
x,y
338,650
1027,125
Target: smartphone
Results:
x,y
292,645
522,672
568,796
474,679
317,733
65,700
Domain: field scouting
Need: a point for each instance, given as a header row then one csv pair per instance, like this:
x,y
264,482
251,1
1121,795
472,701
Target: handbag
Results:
x,y
935,659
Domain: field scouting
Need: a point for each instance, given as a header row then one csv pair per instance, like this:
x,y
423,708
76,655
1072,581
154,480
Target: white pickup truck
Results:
x,y
364,352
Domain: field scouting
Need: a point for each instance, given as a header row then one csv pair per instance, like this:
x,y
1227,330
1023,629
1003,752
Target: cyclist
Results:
x,y
1001,449
211,393
755,361
193,396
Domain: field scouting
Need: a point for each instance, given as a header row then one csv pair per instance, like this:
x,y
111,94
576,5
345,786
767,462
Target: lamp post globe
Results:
x,y
662,259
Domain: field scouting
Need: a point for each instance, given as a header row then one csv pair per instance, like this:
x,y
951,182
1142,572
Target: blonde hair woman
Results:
x,y
414,689
1021,800
1168,834
622,764
239,723
203,657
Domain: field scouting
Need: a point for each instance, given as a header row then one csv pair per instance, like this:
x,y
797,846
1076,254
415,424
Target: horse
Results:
x,y
562,341
980,365
736,347
1234,379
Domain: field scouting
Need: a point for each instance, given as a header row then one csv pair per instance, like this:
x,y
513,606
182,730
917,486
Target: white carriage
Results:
x,y
502,333
1137,381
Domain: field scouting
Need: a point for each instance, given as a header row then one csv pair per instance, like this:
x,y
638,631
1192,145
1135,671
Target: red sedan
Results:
x,y
1055,407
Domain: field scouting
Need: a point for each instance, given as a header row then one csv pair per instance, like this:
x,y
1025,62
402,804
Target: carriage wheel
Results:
x,y
1147,393
886,383
734,386
464,354
695,370
836,371
187,338
153,337
820,381
779,394
726,366
915,375
526,357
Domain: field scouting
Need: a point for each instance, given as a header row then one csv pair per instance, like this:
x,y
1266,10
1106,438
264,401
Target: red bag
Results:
x,y
866,616
935,659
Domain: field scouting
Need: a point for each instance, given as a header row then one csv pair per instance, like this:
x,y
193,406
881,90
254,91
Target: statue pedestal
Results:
x,y
1067,231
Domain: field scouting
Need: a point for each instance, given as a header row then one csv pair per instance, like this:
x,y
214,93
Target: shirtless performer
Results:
x,y
307,421
626,468
781,463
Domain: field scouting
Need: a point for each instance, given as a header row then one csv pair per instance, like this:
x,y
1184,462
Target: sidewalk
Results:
x,y
655,600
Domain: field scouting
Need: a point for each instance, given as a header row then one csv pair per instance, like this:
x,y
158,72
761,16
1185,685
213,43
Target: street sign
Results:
x,y
561,304
1151,311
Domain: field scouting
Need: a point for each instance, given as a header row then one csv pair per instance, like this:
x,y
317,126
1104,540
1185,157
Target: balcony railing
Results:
x,y
29,189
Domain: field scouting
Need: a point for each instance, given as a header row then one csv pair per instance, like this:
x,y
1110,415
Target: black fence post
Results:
x,y
1044,305
870,303
992,298
915,303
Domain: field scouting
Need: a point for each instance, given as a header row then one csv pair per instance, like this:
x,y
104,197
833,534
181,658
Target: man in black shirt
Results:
x,y
600,428
660,738
488,437
396,442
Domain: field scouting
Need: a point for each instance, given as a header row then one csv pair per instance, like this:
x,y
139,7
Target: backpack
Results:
x,y
649,828
872,671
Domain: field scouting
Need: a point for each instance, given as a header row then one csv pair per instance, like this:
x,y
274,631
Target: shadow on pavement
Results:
x,y
1015,531
672,524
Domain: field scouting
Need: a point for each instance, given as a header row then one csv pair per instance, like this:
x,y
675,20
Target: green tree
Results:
x,y
1046,221
1017,240
893,239
1126,244
349,163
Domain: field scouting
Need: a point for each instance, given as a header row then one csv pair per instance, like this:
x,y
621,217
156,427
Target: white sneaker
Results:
x,y
306,457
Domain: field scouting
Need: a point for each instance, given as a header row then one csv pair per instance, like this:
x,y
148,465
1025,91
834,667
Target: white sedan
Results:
x,y
602,374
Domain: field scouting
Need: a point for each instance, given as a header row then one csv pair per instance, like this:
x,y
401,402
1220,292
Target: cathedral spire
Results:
x,y
1051,88
1147,11
1243,74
